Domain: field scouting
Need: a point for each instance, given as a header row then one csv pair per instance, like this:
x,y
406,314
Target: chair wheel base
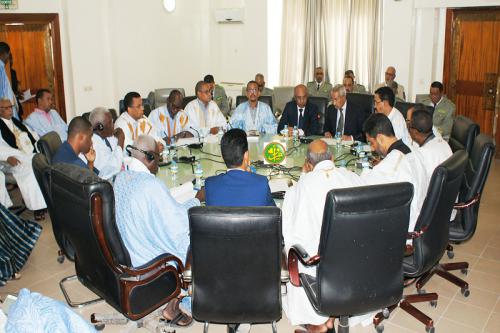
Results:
x,y
99,326
450,254
464,271
60,259
379,328
465,292
434,304
429,329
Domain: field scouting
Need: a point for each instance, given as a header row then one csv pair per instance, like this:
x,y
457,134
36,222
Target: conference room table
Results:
x,y
280,176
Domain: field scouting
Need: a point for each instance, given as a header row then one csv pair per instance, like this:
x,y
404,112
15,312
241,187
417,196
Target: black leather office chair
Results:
x,y
430,237
264,99
145,102
48,145
114,115
321,103
463,133
360,254
403,107
464,225
41,169
186,100
86,204
236,264
86,115
364,101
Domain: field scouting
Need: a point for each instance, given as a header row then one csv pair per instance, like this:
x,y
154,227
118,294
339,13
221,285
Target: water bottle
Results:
x,y
172,141
198,174
338,140
164,154
174,168
295,134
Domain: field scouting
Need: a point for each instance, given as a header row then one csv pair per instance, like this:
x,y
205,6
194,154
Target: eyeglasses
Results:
x,y
6,107
390,74
138,107
252,90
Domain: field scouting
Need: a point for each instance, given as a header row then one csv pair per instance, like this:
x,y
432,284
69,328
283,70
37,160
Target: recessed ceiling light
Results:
x,y
169,5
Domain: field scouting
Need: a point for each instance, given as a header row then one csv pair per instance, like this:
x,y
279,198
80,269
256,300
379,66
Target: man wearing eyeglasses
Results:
x,y
390,75
150,221
133,122
384,103
17,147
169,120
253,115
204,114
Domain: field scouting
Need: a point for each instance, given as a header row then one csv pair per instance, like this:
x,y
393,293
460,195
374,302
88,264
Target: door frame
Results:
x,y
53,20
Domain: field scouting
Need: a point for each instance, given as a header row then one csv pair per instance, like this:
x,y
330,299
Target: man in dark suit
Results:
x,y
300,113
342,117
238,186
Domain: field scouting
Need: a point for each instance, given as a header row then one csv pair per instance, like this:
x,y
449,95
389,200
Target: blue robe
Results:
x,y
40,124
263,122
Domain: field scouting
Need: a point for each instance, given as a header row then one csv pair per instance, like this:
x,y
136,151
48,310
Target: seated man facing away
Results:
x,y
384,103
204,113
343,118
169,120
45,119
17,147
107,143
434,149
133,122
79,142
253,115
150,221
302,219
399,163
238,186
301,113
444,109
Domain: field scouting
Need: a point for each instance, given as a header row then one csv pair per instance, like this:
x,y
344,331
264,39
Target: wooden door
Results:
x,y
472,64
36,51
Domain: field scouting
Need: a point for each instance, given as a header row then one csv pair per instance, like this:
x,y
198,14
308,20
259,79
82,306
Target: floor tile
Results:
x,y
466,314
446,325
493,324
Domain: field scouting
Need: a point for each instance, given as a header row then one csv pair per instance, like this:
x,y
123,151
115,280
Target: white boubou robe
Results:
x,y
302,219
434,152
4,195
133,128
399,124
204,119
23,172
399,167
166,126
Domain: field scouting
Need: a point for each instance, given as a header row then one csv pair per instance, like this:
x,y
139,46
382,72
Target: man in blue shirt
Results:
x,y
79,142
5,85
238,186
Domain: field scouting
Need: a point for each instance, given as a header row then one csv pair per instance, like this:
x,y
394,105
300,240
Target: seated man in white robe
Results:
x,y
384,103
253,115
434,149
169,120
203,113
17,147
150,221
45,119
302,219
107,143
133,122
399,163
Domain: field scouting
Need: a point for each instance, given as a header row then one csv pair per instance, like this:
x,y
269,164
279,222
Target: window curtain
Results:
x,y
334,34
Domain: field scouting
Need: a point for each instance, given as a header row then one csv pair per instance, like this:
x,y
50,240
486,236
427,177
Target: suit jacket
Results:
x,y
443,116
311,125
324,89
238,188
353,122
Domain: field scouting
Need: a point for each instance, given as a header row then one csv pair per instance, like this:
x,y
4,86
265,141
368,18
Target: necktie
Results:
x,y
108,144
317,87
301,118
340,124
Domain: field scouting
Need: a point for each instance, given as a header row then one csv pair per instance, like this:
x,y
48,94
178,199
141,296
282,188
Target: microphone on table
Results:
x,y
198,145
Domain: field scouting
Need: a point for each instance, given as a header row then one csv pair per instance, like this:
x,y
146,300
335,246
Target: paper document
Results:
x,y
280,184
27,96
183,192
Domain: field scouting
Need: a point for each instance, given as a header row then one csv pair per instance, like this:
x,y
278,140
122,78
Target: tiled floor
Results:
x,y
480,312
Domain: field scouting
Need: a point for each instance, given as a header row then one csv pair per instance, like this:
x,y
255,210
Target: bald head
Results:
x,y
144,142
145,146
390,74
300,95
317,151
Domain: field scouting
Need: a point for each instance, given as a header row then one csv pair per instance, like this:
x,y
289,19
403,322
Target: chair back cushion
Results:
x,y
186,100
321,103
161,95
282,95
72,190
361,248
463,133
48,145
145,102
236,264
434,218
364,101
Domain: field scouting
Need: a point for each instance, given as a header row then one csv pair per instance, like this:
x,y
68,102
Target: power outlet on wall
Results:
x,y
87,88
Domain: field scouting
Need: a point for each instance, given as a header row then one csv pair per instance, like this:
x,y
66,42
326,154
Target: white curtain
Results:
x,y
335,34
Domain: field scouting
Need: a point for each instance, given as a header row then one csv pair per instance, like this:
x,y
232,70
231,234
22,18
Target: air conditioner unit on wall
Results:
x,y
230,15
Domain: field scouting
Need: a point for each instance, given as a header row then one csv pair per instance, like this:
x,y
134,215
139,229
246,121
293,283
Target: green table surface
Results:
x,y
212,163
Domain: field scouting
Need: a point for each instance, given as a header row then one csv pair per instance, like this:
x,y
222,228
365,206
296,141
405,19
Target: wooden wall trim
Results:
x,y
448,46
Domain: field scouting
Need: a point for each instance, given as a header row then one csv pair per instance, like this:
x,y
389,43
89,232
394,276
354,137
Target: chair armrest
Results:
x,y
417,233
187,275
296,254
285,275
159,263
471,202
